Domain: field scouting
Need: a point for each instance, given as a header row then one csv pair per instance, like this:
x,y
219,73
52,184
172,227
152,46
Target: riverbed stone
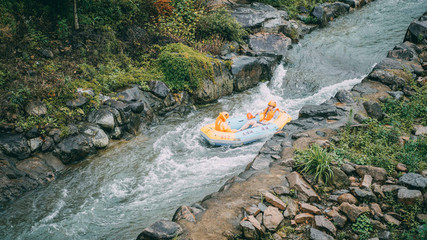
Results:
x,y
259,16
35,143
344,96
98,137
249,231
272,218
305,192
413,180
184,213
391,188
163,229
409,197
255,223
102,117
387,78
37,169
292,209
417,31
73,148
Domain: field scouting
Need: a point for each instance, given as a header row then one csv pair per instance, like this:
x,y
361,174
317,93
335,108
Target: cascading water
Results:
x,y
119,192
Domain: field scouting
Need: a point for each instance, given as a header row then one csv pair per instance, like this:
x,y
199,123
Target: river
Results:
x,y
120,191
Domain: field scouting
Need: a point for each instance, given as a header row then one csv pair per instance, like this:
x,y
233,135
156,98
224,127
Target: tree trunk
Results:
x,y
76,19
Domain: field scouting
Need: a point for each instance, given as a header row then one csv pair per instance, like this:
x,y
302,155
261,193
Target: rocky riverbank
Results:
x,y
272,200
35,157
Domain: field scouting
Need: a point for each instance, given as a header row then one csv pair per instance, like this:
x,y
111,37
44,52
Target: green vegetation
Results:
x,y
378,143
363,227
105,46
316,161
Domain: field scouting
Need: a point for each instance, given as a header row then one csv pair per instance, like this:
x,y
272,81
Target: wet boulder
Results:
x,y
259,16
98,137
103,117
249,71
161,230
336,9
387,78
344,96
417,31
309,111
269,43
351,3
74,148
36,169
213,90
14,145
319,13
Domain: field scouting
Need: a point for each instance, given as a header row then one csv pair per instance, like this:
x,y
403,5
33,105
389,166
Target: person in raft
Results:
x,y
221,124
265,116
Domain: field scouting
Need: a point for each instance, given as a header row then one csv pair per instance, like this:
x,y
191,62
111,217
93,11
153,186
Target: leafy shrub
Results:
x,y
316,161
220,23
363,227
184,68
414,154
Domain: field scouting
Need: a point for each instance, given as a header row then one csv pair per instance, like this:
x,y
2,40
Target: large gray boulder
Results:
x,y
269,43
130,95
37,169
249,71
98,137
159,89
259,16
417,31
14,145
413,180
74,148
308,111
336,9
387,78
213,90
161,230
104,118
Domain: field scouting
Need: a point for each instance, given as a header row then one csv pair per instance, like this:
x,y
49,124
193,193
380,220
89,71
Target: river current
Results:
x,y
120,191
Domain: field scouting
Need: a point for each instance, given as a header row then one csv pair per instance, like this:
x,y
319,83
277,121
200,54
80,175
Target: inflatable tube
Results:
x,y
217,138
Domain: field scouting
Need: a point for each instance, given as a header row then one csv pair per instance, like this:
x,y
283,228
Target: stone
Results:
x,y
338,219
281,190
161,230
347,197
308,208
309,111
130,95
344,96
322,222
348,168
73,148
252,210
272,218
340,179
46,53
36,108
255,223
299,135
409,197
159,89
351,211
413,180
377,173
184,213
305,192
211,90
35,143
249,231
417,31
391,188
391,220
319,235
373,109
103,118
420,130
77,102
365,194
275,201
366,181
376,210
15,145
401,167
377,225
292,209
36,169
396,94
98,137
303,218
276,43
259,15
384,235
